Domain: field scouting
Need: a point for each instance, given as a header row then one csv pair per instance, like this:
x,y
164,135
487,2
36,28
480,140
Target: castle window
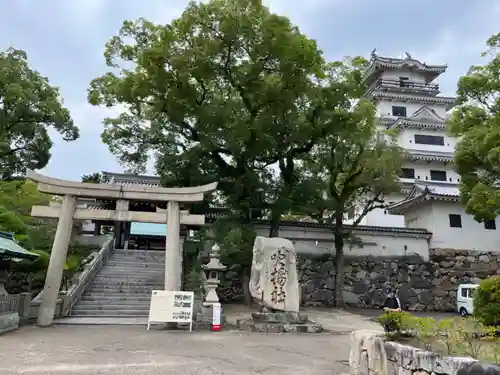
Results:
x,y
455,221
434,140
490,224
407,173
398,111
403,81
438,175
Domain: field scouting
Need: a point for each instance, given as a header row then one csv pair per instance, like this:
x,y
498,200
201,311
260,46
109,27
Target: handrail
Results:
x,y
76,291
407,84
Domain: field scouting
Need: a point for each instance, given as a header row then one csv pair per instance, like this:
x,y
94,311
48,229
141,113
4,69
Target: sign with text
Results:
x,y
171,307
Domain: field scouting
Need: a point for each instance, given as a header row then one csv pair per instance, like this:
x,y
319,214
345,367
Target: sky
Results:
x,y
65,39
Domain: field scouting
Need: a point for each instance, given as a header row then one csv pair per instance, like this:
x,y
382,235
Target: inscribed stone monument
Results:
x,y
274,282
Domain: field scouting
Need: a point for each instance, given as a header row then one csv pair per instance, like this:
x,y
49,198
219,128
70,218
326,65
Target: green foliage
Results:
x,y
195,281
395,323
37,269
30,106
16,199
235,239
487,301
454,336
476,120
350,168
223,93
92,178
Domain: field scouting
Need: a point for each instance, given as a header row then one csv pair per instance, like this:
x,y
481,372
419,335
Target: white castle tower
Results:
x,y
407,99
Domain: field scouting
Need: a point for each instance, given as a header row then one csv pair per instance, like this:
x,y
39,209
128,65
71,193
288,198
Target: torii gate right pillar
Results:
x,y
173,251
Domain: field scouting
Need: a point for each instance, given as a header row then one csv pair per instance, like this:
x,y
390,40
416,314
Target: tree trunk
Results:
x,y
339,262
274,227
245,277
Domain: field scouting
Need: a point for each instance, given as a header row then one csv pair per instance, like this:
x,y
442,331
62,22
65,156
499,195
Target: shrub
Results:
x,y
395,323
487,301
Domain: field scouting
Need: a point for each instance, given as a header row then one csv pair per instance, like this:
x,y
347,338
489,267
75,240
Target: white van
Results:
x,y
465,294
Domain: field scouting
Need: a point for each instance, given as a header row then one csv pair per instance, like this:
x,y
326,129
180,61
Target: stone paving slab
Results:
x,y
127,350
336,321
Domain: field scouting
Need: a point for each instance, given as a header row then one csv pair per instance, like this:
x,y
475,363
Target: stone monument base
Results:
x,y
278,322
9,322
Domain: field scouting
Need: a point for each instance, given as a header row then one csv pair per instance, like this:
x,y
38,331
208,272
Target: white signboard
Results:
x,y
171,307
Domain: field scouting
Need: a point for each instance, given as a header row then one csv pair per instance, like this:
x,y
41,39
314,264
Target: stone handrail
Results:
x,y
372,354
67,300
75,292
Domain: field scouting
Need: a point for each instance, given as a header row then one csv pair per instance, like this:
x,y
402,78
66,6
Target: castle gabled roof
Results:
x,y
424,117
423,191
380,63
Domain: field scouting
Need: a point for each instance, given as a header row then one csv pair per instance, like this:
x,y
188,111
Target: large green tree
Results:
x,y
16,199
224,93
476,120
351,168
29,107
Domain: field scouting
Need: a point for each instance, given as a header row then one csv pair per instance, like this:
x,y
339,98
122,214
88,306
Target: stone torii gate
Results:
x,y
71,190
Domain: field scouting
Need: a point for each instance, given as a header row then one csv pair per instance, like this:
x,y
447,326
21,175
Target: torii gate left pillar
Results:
x,y
123,194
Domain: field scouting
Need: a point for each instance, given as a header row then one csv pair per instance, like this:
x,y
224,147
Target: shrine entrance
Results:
x,y
120,195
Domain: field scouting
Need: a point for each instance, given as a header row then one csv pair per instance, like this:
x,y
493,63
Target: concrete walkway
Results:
x,y
127,350
336,321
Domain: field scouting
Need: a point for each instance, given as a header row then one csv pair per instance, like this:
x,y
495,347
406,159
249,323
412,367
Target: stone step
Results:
x,y
105,307
139,264
113,301
138,256
128,271
137,251
132,267
117,296
110,313
128,290
131,287
114,296
114,282
130,279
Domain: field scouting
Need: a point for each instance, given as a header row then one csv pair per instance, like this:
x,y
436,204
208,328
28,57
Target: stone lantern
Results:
x,y
212,270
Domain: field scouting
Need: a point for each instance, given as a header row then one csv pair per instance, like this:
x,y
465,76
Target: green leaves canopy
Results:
x,y
476,120
16,200
357,165
29,106
222,93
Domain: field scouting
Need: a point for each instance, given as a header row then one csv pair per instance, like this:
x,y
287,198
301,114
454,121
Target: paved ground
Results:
x,y
124,350
133,350
333,320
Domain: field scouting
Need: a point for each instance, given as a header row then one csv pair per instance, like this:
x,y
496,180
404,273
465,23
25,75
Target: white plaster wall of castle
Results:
x,y
319,241
381,218
406,139
394,74
470,235
384,108
423,172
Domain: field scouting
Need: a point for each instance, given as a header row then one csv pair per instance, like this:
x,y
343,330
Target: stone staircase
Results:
x,y
122,287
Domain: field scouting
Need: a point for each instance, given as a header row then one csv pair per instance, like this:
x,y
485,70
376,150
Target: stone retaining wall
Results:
x,y
422,285
371,355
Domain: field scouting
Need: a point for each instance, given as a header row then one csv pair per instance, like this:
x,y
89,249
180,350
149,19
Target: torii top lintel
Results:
x,y
119,191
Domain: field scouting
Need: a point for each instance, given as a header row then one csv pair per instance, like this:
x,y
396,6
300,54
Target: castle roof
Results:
x,y
380,63
423,118
424,191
